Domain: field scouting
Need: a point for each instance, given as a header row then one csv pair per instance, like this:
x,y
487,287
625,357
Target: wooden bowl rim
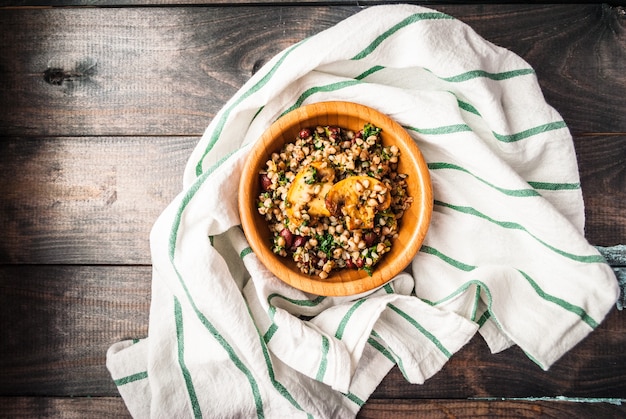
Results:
x,y
344,282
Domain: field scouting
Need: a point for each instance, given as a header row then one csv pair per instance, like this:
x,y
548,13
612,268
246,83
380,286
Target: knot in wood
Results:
x,y
54,76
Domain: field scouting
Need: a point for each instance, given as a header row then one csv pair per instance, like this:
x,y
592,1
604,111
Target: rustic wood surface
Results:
x,y
101,107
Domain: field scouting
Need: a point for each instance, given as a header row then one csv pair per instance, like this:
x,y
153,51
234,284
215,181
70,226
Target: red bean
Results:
x,y
359,263
298,241
288,236
305,133
266,182
370,238
350,264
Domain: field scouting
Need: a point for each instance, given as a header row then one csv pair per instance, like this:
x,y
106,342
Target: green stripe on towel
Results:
x,y
511,225
511,138
510,192
131,378
459,265
473,74
225,115
346,318
566,305
380,348
370,71
270,332
282,390
325,88
180,341
422,330
555,186
353,398
417,17
301,303
189,195
245,252
324,361
446,129
559,301
468,107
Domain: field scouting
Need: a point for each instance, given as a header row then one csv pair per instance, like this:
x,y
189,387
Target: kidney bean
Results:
x,y
305,133
288,236
266,182
370,238
350,264
359,263
298,241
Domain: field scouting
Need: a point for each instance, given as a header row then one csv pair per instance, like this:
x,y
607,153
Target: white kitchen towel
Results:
x,y
505,254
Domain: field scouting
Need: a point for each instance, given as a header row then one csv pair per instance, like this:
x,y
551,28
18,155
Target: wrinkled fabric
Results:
x,y
505,256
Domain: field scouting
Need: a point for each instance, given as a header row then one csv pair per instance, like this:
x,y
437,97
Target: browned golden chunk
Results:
x,y
357,199
307,191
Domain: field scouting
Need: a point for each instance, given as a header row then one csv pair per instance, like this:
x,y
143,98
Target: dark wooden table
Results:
x,y
100,108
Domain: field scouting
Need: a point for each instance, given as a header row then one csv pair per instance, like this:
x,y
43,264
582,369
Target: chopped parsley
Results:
x,y
318,142
282,179
312,176
326,243
369,130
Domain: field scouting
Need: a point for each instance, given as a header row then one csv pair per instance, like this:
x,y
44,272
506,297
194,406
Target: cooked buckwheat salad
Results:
x,y
333,199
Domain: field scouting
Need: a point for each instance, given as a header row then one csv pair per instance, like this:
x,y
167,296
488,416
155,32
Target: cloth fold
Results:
x,y
505,255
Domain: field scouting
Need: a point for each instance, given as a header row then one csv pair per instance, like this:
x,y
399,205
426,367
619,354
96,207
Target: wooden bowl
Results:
x,y
413,225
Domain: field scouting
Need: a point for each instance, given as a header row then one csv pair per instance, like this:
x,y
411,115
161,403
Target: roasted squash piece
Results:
x,y
307,192
357,199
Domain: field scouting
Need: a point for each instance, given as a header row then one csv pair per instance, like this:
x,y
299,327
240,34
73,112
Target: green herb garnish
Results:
x,y
326,243
369,130
282,179
313,176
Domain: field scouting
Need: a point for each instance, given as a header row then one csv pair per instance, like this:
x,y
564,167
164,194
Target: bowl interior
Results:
x,y
414,223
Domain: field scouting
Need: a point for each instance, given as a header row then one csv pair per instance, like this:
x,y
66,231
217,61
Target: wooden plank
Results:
x,y
400,409
591,369
113,407
602,167
138,71
135,3
85,199
58,322
577,51
162,71
93,200
63,407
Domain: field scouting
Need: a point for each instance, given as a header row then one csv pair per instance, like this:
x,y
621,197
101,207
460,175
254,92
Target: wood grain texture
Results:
x,y
85,199
445,409
93,200
113,407
135,3
100,108
58,322
164,71
579,56
602,167
475,372
167,71
63,407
